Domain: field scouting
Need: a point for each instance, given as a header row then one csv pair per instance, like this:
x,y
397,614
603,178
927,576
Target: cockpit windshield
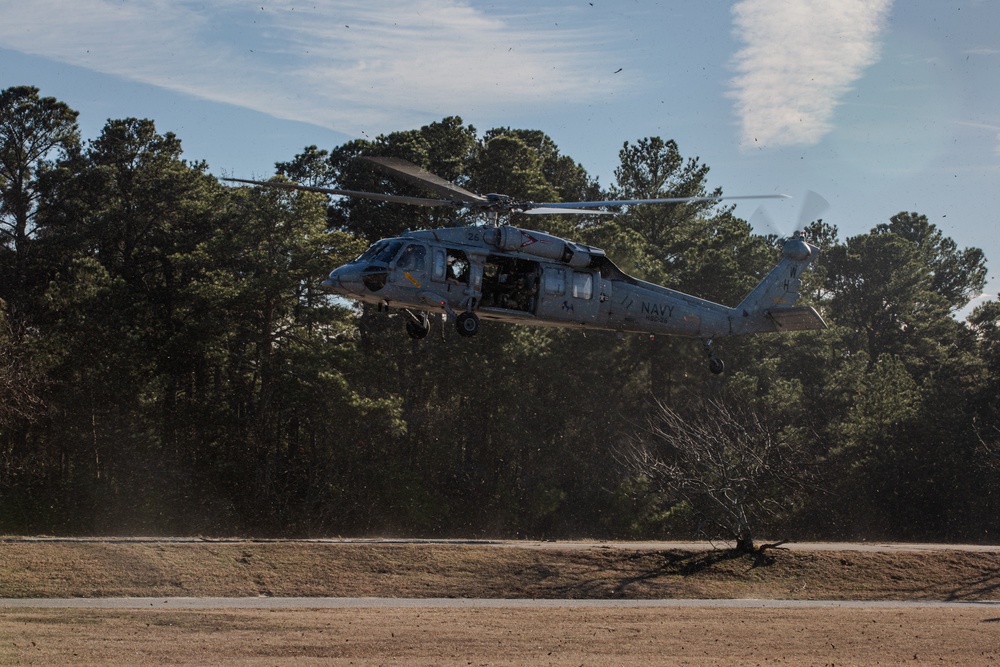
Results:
x,y
383,251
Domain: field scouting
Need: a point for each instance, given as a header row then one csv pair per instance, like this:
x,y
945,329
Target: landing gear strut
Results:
x,y
715,364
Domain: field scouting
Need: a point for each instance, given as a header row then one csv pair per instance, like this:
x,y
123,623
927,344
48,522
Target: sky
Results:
x,y
879,106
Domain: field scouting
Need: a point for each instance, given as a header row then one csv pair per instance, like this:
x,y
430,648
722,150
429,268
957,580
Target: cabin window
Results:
x,y
554,281
440,265
583,285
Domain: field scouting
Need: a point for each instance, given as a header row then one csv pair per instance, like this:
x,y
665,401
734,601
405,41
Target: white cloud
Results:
x,y
349,65
799,57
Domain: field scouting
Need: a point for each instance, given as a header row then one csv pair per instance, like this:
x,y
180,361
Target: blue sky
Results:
x,y
879,106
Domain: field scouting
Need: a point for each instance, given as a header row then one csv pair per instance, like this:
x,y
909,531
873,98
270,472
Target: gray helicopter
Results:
x,y
501,273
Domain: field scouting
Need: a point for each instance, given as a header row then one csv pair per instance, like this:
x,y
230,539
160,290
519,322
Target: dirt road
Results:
x,y
700,636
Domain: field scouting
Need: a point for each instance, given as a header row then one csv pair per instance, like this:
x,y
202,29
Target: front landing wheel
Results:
x,y
467,324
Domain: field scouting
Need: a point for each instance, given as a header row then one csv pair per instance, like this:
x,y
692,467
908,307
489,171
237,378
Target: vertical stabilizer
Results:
x,y
771,305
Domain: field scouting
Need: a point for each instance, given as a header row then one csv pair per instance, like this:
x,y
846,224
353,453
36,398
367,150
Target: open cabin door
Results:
x,y
510,284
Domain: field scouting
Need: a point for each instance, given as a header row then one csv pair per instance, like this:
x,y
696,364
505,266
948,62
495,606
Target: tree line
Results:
x,y
168,364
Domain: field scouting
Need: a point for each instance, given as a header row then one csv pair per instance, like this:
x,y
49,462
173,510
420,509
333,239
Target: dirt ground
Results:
x,y
559,635
503,636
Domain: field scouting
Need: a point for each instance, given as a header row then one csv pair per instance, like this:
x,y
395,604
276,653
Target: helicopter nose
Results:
x,y
345,280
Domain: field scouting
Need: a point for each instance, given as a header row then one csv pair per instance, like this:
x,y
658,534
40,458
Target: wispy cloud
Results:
x,y
349,65
798,58
988,127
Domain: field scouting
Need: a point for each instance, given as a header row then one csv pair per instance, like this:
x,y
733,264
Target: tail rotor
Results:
x,y
812,208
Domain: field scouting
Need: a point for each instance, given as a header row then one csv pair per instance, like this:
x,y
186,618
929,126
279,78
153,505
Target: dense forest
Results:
x,y
169,365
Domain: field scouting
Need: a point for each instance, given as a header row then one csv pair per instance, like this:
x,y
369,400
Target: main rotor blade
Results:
x,y
638,202
561,210
398,199
420,177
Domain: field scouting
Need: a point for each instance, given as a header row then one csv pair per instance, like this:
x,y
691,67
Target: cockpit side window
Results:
x,y
412,258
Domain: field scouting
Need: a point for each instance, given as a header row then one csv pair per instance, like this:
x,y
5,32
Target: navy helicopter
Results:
x,y
502,273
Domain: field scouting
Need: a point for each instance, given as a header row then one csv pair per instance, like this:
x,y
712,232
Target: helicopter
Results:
x,y
498,272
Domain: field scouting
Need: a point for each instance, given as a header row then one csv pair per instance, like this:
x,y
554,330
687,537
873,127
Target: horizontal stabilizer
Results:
x,y
799,318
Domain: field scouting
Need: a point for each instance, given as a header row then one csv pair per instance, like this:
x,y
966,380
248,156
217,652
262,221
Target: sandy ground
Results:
x,y
503,636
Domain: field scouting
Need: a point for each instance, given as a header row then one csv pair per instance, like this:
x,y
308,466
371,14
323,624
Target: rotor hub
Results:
x,y
796,248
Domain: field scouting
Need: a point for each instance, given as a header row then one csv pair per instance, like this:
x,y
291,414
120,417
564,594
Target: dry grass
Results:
x,y
296,569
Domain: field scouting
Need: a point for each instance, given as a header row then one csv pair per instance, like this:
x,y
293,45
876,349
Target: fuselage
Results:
x,y
540,280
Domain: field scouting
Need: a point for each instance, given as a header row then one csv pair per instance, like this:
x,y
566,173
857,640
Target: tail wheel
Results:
x,y
714,363
467,324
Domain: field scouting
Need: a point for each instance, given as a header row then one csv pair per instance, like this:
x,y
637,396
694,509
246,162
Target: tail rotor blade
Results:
x,y
813,207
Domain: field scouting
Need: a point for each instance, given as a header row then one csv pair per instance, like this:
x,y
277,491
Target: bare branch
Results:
x,y
723,459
